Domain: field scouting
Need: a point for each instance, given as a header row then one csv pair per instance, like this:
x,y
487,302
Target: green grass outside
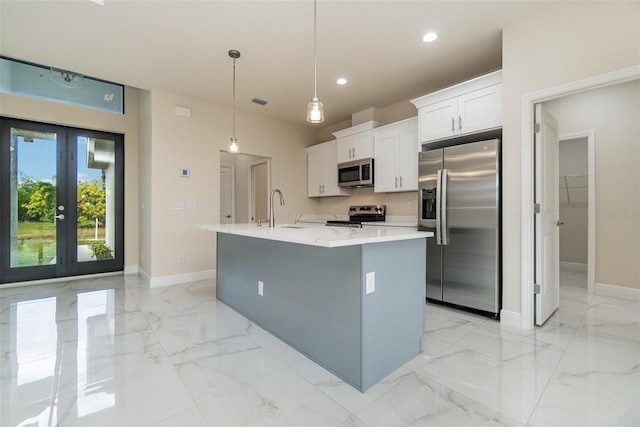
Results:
x,y
37,241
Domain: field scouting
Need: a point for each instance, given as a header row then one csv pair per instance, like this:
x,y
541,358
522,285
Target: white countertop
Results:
x,y
320,235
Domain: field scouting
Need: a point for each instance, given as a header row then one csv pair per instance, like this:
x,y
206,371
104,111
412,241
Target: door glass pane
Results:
x,y
96,199
32,197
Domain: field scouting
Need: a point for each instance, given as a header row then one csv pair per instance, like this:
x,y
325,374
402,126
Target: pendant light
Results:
x,y
315,109
233,147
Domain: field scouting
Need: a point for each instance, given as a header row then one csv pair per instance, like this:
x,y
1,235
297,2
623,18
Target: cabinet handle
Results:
x,y
400,182
453,124
323,189
460,122
396,182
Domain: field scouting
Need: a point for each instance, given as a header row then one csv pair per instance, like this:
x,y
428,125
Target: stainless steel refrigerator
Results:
x,y
459,191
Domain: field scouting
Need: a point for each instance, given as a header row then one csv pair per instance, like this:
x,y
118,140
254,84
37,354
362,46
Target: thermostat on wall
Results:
x,y
184,173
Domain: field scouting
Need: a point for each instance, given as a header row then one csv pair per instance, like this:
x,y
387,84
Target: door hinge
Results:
x,y
536,128
536,208
536,288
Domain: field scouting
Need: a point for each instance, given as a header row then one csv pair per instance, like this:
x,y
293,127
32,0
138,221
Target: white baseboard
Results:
x,y
510,319
130,269
620,292
573,266
179,278
144,275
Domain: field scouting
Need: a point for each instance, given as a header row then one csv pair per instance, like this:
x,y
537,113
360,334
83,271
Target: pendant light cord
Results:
x,y
315,51
234,97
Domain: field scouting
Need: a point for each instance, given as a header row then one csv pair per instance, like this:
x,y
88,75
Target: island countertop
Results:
x,y
319,235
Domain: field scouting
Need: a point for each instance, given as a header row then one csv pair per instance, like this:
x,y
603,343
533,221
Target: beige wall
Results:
x,y
565,43
195,143
614,114
70,115
573,206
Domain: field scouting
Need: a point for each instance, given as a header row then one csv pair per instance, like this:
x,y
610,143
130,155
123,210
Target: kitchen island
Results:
x,y
350,299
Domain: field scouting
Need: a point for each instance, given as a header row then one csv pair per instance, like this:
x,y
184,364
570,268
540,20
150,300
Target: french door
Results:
x,y
61,201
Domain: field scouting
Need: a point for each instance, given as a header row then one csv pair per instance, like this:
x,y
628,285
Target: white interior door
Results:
x,y
547,239
226,195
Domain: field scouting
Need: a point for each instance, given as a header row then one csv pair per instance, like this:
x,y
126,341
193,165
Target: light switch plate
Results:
x,y
260,288
370,283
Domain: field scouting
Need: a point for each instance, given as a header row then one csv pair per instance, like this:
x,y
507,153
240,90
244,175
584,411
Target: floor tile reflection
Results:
x,y
112,351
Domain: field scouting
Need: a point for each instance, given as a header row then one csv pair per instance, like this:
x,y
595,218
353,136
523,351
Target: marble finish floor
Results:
x,y
111,351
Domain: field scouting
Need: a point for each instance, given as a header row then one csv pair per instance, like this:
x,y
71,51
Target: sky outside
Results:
x,y
37,160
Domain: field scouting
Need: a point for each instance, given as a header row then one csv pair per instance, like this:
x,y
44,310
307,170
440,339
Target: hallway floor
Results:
x,y
111,351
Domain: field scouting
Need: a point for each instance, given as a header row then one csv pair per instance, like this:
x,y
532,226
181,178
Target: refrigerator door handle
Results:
x,y
438,204
444,233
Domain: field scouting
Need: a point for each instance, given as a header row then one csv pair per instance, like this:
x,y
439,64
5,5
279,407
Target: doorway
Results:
x,y
62,201
577,213
259,191
613,79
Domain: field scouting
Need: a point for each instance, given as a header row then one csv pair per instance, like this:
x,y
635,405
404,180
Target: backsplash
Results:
x,y
397,203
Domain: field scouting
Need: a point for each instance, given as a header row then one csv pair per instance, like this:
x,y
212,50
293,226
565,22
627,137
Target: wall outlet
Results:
x,y
371,283
260,288
180,259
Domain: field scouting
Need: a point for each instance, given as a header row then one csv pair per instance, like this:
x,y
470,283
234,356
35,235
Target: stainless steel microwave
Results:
x,y
358,173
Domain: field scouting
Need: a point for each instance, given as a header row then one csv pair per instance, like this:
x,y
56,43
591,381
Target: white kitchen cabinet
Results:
x,y
322,171
468,107
356,142
396,157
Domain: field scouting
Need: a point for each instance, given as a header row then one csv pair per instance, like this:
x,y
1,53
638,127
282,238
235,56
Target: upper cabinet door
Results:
x,y
363,145
315,173
345,149
385,168
438,120
480,110
408,157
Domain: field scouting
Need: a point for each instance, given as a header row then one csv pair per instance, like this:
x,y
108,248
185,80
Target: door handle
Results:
x,y
438,207
444,232
61,216
228,216
559,223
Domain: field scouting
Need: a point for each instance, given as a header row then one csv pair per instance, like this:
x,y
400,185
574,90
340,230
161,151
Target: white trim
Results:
x,y
58,279
527,177
620,292
144,275
181,278
573,266
591,203
130,269
509,319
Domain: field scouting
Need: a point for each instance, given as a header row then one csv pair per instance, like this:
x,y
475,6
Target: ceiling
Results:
x,y
181,46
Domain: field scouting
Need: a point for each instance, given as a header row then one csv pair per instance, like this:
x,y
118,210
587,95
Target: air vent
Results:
x,y
259,101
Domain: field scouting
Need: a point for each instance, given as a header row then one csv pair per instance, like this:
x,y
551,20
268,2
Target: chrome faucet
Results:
x,y
272,220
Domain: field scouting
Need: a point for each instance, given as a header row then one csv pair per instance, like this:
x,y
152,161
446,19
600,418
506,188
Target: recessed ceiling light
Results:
x,y
341,81
430,37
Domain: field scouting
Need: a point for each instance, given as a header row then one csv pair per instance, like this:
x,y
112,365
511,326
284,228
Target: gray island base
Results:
x,y
315,299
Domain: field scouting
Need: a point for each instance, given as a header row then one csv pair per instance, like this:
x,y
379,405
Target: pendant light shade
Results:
x,y
315,109
233,147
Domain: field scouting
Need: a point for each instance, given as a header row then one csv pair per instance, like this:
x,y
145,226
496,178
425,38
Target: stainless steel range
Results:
x,y
360,214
